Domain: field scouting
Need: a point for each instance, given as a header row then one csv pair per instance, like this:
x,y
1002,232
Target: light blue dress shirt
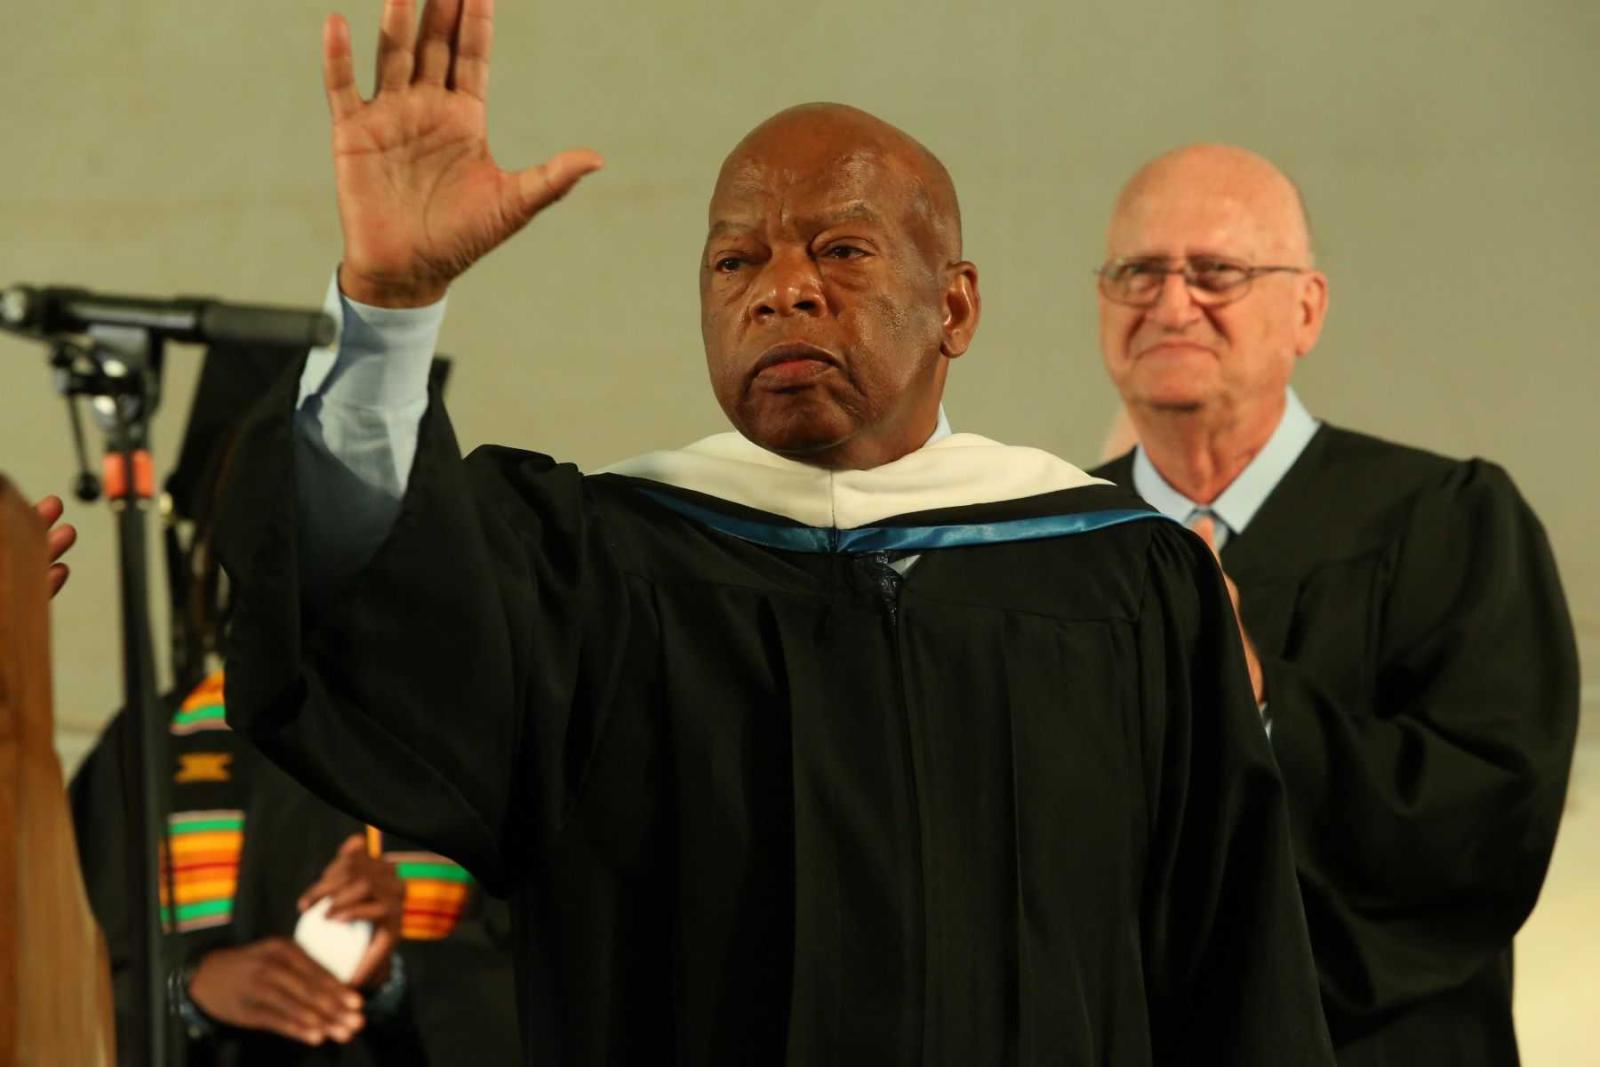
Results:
x,y
1238,504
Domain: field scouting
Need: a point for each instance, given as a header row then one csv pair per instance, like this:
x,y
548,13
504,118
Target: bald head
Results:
x,y
1263,206
833,295
1203,353
799,141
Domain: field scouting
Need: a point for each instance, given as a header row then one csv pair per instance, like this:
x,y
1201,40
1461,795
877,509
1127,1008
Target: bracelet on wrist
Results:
x,y
196,1023
385,1000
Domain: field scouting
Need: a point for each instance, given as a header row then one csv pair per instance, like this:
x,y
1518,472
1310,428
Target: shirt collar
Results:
x,y
1239,502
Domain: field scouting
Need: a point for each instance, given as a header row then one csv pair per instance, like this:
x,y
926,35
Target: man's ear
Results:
x,y
1311,312
962,308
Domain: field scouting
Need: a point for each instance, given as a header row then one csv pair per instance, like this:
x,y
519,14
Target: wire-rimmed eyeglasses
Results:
x,y
1213,281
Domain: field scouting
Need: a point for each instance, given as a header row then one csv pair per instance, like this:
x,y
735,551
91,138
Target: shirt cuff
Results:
x,y
385,1002
382,356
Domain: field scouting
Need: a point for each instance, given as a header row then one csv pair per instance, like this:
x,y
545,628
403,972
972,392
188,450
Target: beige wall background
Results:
x,y
1448,150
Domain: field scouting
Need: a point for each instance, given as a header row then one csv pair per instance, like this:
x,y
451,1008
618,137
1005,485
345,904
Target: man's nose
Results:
x,y
792,286
1175,305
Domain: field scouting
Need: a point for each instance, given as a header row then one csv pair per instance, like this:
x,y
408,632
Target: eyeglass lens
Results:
x,y
1140,281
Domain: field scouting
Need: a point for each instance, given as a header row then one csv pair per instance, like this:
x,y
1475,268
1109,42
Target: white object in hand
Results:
x,y
336,946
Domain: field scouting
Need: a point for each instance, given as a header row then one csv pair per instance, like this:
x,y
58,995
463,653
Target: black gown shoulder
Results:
x,y
1421,678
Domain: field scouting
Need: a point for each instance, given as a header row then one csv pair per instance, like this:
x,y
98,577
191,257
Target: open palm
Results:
x,y
420,197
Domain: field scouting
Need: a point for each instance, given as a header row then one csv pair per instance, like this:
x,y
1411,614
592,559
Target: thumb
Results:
x,y
539,187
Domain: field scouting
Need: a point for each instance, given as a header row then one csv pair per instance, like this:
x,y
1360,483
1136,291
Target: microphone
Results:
x,y
197,320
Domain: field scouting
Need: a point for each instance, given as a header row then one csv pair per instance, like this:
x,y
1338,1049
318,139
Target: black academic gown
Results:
x,y
458,1007
1421,678
763,805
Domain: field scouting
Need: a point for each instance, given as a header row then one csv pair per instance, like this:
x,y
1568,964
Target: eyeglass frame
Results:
x,y
1199,295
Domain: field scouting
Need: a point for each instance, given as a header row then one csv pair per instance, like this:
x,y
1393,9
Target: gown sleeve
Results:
x,y
1228,958
432,693
1424,821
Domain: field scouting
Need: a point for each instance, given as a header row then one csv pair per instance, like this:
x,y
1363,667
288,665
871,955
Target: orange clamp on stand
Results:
x,y
114,474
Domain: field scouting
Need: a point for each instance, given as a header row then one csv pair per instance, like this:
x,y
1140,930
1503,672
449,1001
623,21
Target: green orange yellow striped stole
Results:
x,y
437,891
204,847
202,709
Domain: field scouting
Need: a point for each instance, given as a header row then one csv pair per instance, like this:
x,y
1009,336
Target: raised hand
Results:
x,y
420,197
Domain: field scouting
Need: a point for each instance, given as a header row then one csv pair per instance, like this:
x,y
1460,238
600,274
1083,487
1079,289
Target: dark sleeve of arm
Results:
x,y
1228,959
1424,823
432,693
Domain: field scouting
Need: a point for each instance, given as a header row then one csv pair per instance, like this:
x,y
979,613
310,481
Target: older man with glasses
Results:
x,y
1404,625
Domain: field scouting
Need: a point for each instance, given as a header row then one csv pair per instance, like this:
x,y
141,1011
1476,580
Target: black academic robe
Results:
x,y
1421,679
459,1003
760,804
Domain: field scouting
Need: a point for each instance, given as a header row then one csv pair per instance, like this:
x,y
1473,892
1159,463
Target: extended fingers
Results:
x,y
543,185
59,540
436,40
50,509
56,543
331,879
372,892
397,36
371,909
378,896
268,1009
284,991
339,870
338,69
275,1004
357,890
474,41
319,998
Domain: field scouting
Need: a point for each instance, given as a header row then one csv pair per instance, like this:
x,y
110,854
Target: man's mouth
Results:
x,y
792,363
1173,346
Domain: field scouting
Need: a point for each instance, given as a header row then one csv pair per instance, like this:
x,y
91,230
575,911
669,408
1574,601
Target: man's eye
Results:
x,y
843,252
728,264
1139,272
1216,276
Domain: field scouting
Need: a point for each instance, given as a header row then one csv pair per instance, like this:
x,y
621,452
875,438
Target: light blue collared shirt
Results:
x,y
1238,503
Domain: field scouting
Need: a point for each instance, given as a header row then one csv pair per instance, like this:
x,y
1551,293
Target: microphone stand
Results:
x,y
110,349
119,370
